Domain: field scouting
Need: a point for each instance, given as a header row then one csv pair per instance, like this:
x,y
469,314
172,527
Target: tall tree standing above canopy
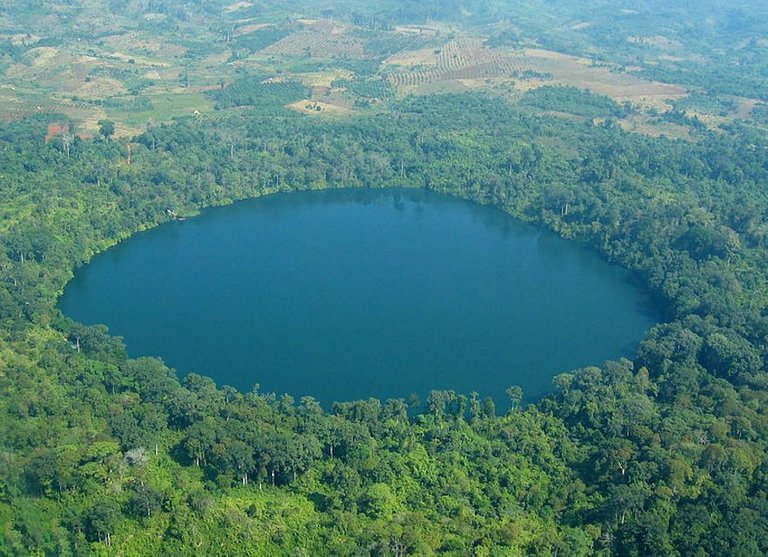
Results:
x,y
106,128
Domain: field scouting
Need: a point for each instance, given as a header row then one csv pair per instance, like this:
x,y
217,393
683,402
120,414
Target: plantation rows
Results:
x,y
259,92
367,88
260,39
510,66
461,53
28,108
465,58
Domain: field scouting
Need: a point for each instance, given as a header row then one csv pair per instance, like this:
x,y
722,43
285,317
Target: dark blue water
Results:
x,y
354,294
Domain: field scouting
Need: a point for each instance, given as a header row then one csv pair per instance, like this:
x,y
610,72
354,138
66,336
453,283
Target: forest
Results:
x,y
664,452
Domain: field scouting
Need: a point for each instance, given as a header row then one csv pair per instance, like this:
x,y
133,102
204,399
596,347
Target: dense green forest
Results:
x,y
664,454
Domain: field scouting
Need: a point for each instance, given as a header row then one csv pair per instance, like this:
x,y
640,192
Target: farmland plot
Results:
x,y
259,92
318,44
579,72
373,88
461,59
86,114
319,107
469,61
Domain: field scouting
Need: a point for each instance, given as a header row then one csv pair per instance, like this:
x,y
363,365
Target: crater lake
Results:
x,y
350,294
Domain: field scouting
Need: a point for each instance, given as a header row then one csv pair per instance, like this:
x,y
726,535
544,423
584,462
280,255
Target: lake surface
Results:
x,y
351,294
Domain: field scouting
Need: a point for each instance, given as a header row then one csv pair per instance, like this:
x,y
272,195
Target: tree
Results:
x,y
489,407
239,457
515,394
106,128
145,500
378,501
67,138
101,519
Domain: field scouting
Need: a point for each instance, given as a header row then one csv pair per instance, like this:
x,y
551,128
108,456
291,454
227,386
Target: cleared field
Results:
x,y
251,28
319,41
50,67
620,86
454,54
162,108
319,107
79,72
99,88
642,124
85,115
21,39
469,62
140,60
142,44
744,107
426,30
324,79
458,60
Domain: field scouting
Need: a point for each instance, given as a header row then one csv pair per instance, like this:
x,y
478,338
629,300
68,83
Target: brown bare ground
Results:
x,y
55,130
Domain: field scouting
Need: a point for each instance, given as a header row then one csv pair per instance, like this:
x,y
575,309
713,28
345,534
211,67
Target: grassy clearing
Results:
x,y
164,108
319,43
317,108
641,123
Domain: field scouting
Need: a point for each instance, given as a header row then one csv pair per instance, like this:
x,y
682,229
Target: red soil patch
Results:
x,y
55,130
